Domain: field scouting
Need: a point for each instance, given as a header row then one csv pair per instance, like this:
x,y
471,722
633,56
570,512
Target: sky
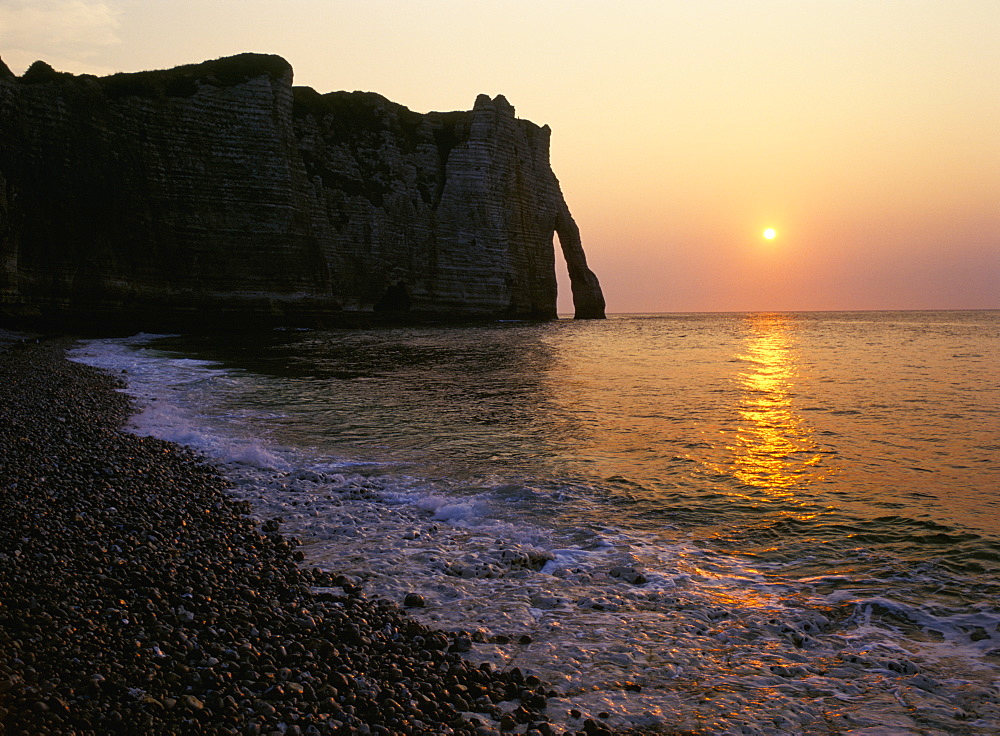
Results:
x,y
866,133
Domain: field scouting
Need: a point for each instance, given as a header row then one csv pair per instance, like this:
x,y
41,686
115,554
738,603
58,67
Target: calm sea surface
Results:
x,y
745,523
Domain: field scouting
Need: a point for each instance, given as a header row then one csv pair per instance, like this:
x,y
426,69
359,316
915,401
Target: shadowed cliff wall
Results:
x,y
219,192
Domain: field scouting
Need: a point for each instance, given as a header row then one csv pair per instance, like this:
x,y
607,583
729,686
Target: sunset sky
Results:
x,y
866,133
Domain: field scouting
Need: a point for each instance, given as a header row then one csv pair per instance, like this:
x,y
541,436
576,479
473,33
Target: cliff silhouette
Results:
x,y
220,193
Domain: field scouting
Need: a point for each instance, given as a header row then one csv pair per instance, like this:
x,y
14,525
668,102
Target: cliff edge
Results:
x,y
220,193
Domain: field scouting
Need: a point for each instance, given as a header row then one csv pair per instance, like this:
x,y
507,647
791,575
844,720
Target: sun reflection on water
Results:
x,y
773,448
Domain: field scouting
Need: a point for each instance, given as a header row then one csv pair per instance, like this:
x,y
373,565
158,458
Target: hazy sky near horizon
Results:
x,y
866,133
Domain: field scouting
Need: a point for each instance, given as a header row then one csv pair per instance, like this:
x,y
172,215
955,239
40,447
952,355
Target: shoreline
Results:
x,y
137,596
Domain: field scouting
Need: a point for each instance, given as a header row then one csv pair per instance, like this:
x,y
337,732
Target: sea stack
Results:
x,y
219,193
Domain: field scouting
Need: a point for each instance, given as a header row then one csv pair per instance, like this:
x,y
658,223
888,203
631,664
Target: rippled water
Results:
x,y
759,523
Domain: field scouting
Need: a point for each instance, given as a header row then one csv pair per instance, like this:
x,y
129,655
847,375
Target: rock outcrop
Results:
x,y
219,192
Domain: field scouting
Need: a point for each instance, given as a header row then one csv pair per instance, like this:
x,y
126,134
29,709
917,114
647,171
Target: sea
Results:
x,y
759,523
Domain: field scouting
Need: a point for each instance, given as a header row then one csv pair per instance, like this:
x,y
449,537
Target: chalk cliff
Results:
x,y
219,192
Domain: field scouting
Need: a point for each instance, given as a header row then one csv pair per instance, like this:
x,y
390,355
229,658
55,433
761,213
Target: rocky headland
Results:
x,y
219,193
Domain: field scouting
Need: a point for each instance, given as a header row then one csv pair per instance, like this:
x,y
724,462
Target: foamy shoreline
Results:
x,y
138,597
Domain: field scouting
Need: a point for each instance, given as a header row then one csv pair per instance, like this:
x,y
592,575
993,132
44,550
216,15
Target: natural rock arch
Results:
x,y
588,299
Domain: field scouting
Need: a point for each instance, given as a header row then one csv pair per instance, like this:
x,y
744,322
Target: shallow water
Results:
x,y
761,523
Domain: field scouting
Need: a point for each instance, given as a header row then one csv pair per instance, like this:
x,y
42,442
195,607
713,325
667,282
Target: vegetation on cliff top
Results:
x,y
182,81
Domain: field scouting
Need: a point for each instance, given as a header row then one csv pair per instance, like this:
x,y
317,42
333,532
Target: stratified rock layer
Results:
x,y
219,192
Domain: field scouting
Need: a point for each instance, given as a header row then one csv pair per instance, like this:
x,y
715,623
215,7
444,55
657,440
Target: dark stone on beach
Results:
x,y
138,597
193,703
593,728
629,575
533,700
413,600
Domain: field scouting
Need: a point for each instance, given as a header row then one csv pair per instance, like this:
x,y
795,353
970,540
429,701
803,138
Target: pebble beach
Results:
x,y
138,596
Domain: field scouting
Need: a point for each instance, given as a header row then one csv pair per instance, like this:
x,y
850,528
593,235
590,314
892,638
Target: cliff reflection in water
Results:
x,y
773,447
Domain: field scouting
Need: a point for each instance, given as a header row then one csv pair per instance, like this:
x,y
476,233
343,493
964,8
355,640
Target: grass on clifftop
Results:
x,y
181,81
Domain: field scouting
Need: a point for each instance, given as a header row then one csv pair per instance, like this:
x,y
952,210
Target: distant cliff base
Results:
x,y
218,193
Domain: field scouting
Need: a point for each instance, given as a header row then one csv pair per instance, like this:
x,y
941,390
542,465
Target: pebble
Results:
x,y
413,600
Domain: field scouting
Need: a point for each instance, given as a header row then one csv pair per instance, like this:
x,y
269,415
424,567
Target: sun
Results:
x,y
770,233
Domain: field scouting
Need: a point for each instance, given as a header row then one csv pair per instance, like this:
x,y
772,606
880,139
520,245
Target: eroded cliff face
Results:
x,y
218,192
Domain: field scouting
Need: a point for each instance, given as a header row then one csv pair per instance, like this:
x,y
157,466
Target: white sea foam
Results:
x,y
470,512
165,388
